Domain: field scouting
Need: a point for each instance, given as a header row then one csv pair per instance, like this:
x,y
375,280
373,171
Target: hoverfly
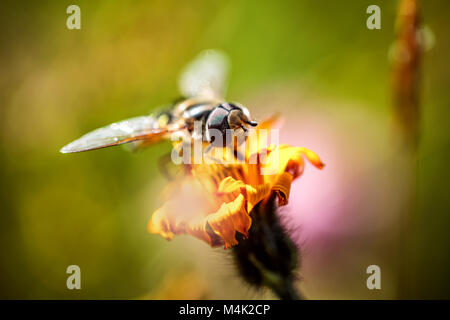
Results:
x,y
203,86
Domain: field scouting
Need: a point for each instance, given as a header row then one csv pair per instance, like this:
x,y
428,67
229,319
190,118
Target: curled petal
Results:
x,y
285,163
282,187
253,194
230,218
312,157
197,228
160,224
289,159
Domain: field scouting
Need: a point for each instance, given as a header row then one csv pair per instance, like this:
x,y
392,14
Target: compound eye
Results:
x,y
217,119
217,125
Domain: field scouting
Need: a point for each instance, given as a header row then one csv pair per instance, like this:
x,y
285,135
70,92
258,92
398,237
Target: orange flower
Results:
x,y
213,201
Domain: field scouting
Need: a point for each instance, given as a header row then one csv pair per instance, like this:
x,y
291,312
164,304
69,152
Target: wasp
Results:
x,y
202,84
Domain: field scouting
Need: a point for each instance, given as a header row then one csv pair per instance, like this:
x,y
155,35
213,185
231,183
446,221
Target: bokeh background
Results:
x,y
313,61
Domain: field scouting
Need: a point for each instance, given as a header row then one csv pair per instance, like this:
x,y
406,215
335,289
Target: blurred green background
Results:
x,y
308,59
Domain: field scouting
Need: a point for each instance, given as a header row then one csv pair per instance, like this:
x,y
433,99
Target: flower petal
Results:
x,y
185,211
231,217
312,157
283,164
253,194
282,187
159,223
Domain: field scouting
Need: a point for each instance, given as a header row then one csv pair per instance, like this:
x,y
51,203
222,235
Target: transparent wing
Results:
x,y
135,129
205,76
